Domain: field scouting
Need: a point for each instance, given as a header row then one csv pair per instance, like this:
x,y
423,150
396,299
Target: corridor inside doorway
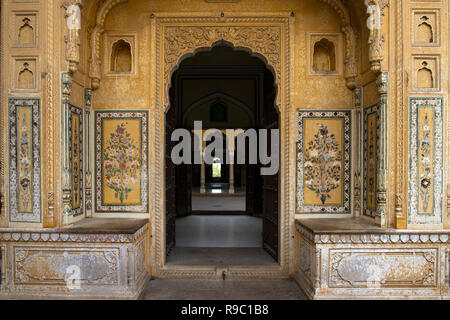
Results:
x,y
221,213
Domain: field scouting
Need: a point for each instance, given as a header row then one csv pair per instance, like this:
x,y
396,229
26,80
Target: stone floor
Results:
x,y
219,257
222,290
219,232
218,203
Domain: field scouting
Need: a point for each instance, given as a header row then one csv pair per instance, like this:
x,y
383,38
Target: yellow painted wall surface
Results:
x,y
308,92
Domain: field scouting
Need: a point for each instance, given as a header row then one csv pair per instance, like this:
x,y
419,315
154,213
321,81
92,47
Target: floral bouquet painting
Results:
x,y
323,164
121,162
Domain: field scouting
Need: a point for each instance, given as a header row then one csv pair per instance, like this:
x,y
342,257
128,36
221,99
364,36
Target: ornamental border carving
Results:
x,y
374,237
54,236
276,31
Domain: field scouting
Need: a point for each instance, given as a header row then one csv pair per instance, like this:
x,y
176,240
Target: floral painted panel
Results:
x,y
76,157
324,162
122,161
372,118
425,161
24,160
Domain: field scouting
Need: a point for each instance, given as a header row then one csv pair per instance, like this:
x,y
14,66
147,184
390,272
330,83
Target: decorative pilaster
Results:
x,y
72,37
66,84
357,207
382,84
88,170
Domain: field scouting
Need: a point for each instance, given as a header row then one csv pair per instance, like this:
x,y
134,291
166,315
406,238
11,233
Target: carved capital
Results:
x,y
383,82
66,83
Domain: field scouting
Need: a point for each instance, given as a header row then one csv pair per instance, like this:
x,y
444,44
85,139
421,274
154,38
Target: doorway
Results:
x,y
221,213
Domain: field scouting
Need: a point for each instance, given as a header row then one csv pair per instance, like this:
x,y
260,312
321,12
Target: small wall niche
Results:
x,y
25,31
120,55
324,57
25,71
426,73
325,54
425,28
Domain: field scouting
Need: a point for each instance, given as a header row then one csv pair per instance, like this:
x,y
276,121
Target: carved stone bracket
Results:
x,y
72,37
95,61
376,36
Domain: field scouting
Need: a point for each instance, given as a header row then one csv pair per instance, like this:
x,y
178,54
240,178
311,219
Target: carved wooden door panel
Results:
x,y
171,201
270,213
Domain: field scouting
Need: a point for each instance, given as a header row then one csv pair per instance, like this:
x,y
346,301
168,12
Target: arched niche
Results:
x,y
425,31
26,77
425,78
324,57
26,32
121,60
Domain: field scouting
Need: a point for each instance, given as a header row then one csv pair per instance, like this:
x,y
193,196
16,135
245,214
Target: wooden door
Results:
x,y
171,201
270,208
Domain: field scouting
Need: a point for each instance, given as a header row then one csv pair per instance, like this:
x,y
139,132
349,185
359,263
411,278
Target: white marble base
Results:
x,y
370,263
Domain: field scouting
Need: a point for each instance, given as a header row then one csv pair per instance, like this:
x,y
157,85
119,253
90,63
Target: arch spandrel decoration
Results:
x,y
183,41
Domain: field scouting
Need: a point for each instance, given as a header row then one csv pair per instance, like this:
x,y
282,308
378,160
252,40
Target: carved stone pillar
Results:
x,y
66,84
382,84
202,178
231,190
72,37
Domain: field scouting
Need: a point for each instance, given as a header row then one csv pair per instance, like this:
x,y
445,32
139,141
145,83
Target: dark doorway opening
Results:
x,y
221,214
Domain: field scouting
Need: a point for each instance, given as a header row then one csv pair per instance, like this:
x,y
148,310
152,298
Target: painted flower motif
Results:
x,y
426,170
323,164
121,162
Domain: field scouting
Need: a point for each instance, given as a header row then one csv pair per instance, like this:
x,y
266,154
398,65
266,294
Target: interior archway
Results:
x,y
217,218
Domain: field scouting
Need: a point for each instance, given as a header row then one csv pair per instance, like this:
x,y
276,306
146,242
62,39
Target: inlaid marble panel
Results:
x,y
425,190
383,268
324,162
371,153
121,161
24,160
76,157
52,266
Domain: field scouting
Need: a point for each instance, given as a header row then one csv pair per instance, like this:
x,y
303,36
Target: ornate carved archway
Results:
x,y
179,37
